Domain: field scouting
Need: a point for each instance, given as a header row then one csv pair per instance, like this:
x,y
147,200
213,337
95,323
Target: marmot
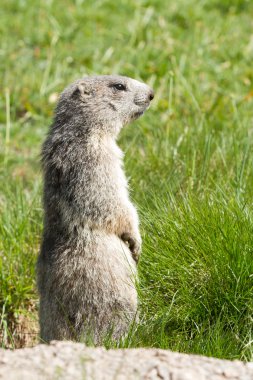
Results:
x,y
91,241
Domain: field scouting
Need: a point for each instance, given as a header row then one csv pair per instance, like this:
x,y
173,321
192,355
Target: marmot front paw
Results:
x,y
133,244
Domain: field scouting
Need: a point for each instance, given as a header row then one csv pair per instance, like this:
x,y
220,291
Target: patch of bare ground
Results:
x,y
21,330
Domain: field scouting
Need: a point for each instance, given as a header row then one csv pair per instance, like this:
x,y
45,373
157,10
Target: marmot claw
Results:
x,y
133,245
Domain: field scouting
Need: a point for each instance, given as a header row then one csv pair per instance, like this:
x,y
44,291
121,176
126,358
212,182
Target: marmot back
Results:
x,y
91,241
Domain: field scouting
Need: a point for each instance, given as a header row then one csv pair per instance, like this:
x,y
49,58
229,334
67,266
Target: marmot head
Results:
x,y
103,102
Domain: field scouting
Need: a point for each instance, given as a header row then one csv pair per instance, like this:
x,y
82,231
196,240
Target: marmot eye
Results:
x,y
119,86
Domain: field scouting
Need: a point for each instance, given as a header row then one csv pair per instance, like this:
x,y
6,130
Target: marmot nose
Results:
x,y
151,95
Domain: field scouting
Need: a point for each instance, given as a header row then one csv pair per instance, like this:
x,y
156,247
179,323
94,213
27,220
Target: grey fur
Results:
x,y
91,241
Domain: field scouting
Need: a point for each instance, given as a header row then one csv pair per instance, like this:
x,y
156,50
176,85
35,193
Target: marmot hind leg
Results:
x,y
55,324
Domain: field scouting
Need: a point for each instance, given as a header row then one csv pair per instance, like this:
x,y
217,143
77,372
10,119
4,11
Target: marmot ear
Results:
x,y
82,90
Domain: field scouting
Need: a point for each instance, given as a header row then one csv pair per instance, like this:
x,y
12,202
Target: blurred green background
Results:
x,y
189,159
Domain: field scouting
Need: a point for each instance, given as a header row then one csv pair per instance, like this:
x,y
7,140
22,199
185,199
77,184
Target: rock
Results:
x,y
74,361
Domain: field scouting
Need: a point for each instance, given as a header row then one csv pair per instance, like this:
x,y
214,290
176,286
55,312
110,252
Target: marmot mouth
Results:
x,y
138,114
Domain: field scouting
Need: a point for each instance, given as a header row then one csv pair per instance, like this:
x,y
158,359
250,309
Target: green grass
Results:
x,y
189,158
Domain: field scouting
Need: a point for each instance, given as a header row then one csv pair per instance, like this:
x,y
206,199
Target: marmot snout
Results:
x,y
91,241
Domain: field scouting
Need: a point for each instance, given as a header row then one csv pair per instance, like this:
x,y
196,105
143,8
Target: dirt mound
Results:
x,y
67,360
